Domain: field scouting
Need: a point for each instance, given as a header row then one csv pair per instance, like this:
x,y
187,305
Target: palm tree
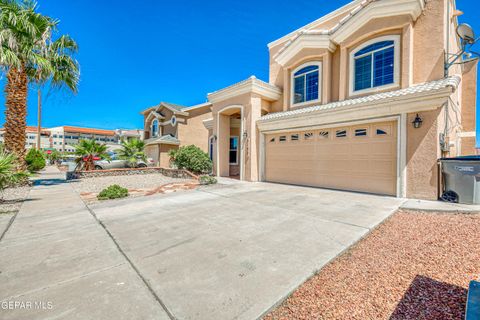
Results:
x,y
28,54
87,151
132,151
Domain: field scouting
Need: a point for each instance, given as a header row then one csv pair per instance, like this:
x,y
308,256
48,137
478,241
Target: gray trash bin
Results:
x,y
462,179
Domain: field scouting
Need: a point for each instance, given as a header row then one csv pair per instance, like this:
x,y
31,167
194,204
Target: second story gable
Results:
x,y
365,47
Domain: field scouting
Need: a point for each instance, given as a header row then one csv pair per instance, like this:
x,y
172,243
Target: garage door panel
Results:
x,y
359,163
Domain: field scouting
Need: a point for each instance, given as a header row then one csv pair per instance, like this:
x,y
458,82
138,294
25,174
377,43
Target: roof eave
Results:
x,y
387,107
251,85
324,18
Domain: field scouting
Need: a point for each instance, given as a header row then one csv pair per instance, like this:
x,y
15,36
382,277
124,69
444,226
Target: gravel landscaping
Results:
x,y
138,185
416,265
12,199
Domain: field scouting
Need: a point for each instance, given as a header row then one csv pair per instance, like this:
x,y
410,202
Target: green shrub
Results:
x,y
9,176
35,160
113,192
191,158
204,180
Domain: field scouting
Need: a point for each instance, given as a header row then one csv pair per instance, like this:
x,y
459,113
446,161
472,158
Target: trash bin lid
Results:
x,y
462,158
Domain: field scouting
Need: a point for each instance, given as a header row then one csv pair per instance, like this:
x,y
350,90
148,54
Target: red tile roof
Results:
x,y
34,129
88,130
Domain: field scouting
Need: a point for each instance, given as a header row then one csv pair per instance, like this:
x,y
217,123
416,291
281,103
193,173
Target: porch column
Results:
x,y
253,141
223,141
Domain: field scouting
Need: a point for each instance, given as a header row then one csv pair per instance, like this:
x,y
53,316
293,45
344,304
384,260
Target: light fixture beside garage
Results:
x,y
417,122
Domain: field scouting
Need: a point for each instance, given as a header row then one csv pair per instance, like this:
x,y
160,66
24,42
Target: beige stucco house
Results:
x,y
342,98
168,126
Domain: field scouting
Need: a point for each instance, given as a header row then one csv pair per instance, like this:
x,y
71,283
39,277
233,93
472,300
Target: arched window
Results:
x,y
154,128
375,64
306,81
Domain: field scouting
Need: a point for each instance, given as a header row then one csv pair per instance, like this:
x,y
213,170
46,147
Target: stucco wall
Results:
x,y
469,101
152,152
421,53
469,96
428,43
193,131
164,157
422,154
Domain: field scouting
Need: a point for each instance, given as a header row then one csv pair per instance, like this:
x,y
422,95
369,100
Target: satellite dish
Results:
x,y
465,32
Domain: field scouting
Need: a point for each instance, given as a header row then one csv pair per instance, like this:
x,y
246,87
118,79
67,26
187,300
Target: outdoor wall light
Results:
x,y
214,137
245,135
417,122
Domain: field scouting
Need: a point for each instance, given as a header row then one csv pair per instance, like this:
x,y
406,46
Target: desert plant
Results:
x,y
132,151
205,180
113,192
29,54
86,152
35,160
191,158
8,174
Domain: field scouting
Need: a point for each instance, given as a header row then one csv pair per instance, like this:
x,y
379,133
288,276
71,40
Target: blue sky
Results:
x,y
135,54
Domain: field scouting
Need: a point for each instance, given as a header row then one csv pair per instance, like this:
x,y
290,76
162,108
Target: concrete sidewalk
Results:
x,y
57,262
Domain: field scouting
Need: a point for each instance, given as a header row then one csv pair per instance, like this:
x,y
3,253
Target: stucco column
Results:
x,y
326,77
255,114
407,57
222,145
342,92
286,89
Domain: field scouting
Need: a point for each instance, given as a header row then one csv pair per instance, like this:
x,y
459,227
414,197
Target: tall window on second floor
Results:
x,y
375,64
306,83
154,128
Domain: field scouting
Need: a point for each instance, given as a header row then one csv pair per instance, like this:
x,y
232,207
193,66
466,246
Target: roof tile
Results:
x,y
436,85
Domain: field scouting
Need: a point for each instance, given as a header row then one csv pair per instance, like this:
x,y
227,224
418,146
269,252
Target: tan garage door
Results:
x,y
358,158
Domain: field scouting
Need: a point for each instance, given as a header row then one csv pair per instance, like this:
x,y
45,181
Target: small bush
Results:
x,y
191,158
9,176
204,180
113,192
35,160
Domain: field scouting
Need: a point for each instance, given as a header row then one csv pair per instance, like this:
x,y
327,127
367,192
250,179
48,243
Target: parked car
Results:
x,y
116,163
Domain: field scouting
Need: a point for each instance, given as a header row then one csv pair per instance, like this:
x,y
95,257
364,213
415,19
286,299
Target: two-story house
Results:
x,y
357,100
168,126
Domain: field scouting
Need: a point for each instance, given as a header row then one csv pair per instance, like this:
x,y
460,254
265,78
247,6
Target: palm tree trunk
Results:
x,y
16,92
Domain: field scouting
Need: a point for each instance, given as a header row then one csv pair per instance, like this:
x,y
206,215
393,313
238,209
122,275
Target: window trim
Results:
x,y
396,65
361,136
308,135
297,137
319,64
338,131
158,128
237,150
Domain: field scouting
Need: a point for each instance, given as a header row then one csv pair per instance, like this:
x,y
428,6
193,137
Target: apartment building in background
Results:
x,y
65,138
31,135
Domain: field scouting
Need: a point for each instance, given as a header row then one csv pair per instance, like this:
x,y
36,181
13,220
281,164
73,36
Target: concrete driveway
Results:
x,y
233,251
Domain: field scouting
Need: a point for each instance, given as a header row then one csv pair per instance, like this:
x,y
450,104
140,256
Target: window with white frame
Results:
x,y
375,64
233,154
306,81
154,128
